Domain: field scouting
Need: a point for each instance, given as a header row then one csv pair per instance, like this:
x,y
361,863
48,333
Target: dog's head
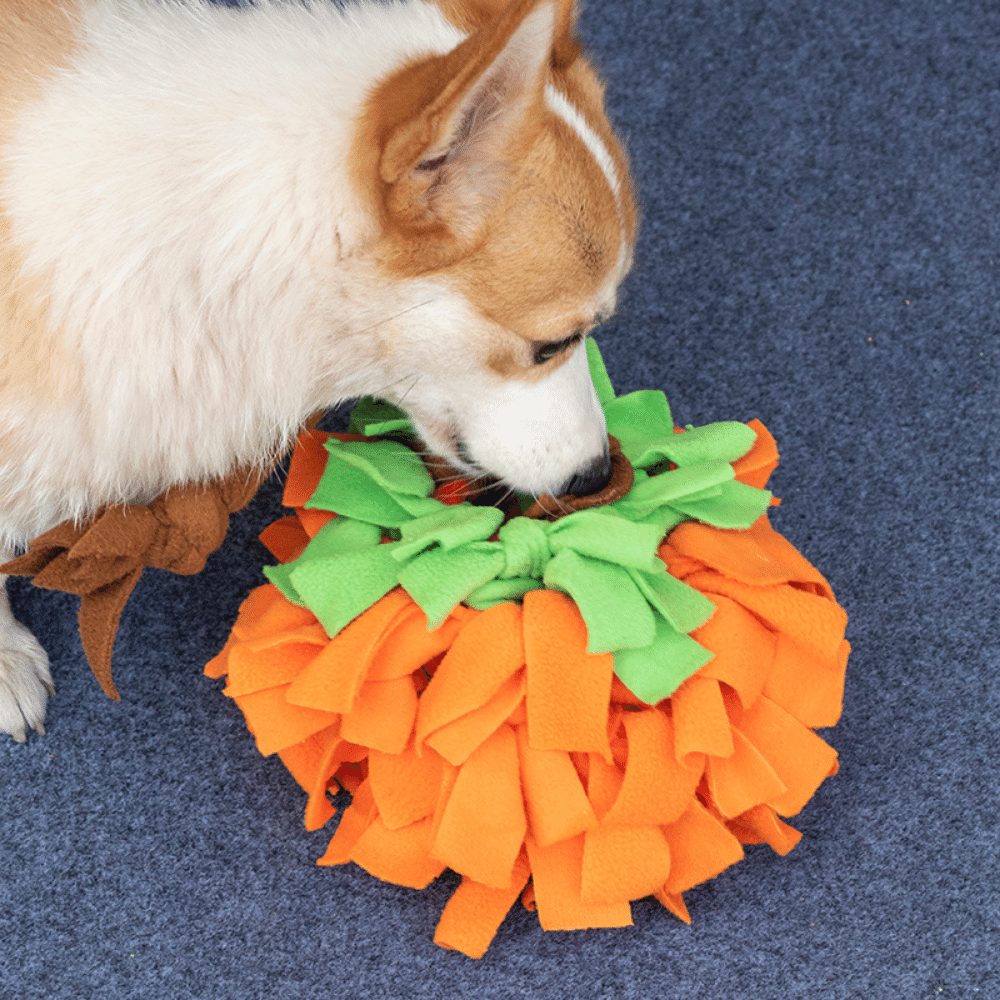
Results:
x,y
506,222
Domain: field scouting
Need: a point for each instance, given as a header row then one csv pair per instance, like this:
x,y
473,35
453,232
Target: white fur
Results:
x,y
181,189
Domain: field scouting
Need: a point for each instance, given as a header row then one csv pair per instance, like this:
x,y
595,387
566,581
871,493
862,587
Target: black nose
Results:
x,y
591,478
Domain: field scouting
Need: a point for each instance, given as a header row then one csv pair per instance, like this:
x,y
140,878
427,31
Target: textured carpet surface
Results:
x,y
819,250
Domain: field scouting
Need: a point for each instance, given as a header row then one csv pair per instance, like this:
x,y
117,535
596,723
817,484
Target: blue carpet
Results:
x,y
820,249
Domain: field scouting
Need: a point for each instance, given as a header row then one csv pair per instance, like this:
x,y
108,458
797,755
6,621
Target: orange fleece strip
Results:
x,y
486,652
700,721
805,688
306,468
761,825
483,825
623,862
475,912
333,679
304,759
398,856
557,805
657,787
743,647
383,715
799,757
557,871
285,539
700,848
404,785
756,466
457,739
358,816
742,781
569,689
275,723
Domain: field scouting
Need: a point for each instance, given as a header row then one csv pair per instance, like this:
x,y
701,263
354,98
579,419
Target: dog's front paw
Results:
x,y
25,681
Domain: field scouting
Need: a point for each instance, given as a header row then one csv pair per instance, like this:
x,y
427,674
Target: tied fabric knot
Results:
x,y
526,548
102,559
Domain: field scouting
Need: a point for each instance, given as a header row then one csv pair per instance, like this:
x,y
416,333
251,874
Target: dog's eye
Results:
x,y
547,351
432,164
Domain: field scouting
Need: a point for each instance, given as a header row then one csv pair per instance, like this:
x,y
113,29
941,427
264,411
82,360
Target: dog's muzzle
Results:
x,y
589,478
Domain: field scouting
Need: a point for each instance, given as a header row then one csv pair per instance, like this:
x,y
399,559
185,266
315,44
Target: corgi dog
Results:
x,y
217,220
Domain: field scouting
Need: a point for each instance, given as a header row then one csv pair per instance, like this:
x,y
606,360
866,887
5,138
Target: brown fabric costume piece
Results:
x,y
103,558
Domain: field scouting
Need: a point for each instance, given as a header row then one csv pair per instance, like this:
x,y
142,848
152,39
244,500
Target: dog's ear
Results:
x,y
444,165
470,15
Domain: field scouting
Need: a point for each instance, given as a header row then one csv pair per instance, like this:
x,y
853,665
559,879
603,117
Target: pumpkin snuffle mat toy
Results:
x,y
575,711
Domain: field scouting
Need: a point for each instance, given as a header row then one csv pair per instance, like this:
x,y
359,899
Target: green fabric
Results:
x,y
604,558
599,374
661,666
376,416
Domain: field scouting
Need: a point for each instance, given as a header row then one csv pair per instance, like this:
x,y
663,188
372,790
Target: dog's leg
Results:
x,y
25,681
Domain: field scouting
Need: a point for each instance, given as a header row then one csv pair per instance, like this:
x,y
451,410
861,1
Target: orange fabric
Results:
x,y
475,911
304,759
456,740
743,780
398,856
265,611
275,723
813,622
756,466
404,785
700,848
318,807
761,825
604,782
799,757
744,649
333,679
557,872
657,787
483,824
804,687
700,721
674,902
557,805
383,714
312,520
273,660
306,468
623,862
497,746
569,689
285,539
358,816
407,644
484,654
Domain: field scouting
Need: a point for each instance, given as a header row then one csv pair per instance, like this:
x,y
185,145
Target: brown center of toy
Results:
x,y
622,477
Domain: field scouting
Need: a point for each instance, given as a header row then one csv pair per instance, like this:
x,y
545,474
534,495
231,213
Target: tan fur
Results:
x,y
553,235
36,38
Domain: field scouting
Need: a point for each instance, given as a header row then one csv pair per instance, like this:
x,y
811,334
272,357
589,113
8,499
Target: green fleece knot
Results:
x,y
526,548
